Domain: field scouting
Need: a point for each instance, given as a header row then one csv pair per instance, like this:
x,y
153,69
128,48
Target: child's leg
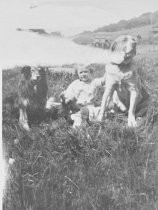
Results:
x,y
77,119
93,112
81,117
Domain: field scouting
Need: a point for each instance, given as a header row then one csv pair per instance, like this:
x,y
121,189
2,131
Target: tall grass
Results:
x,y
102,166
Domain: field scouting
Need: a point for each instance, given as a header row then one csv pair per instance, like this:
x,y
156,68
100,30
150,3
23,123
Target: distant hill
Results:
x,y
143,20
144,25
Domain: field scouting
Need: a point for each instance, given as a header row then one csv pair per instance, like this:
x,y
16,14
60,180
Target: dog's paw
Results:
x,y
99,118
122,107
132,121
25,126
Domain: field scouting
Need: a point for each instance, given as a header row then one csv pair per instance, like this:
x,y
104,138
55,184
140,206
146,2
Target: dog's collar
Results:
x,y
115,64
120,65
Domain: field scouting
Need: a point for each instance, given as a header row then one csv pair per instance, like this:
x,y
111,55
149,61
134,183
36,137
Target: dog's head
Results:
x,y
26,72
126,44
34,74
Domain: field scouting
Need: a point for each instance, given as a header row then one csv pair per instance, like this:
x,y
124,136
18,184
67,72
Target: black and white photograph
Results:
x,y
79,100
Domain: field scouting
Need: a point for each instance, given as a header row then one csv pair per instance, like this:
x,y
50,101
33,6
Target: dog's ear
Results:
x,y
26,71
42,71
113,46
135,40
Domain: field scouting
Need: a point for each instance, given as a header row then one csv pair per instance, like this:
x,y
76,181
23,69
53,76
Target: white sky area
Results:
x,y
70,16
25,48
67,16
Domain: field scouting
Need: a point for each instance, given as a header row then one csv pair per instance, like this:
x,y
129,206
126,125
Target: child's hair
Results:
x,y
89,67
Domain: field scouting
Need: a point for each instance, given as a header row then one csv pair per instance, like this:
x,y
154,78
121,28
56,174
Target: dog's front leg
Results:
x,y
116,100
23,119
131,113
112,77
105,102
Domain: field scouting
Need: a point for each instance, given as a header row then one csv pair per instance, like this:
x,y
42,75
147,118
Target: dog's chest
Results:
x,y
127,77
35,89
118,74
124,84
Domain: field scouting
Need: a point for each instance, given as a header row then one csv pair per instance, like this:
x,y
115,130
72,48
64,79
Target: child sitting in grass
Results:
x,y
85,92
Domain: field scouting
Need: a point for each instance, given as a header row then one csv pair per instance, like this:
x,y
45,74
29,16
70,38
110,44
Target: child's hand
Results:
x,y
51,103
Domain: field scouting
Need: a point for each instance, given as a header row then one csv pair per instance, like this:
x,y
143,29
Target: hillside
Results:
x,y
142,25
89,37
143,20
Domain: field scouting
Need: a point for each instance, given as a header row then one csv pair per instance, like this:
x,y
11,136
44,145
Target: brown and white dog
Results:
x,y
32,94
123,84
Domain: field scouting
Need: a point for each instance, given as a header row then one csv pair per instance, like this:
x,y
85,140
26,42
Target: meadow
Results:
x,y
103,166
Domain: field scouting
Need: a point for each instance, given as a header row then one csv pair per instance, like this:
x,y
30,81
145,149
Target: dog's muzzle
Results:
x,y
131,53
36,80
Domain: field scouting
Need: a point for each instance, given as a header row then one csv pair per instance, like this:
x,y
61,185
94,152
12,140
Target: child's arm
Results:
x,y
70,93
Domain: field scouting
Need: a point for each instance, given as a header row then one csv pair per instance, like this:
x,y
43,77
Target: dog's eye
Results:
x,y
133,40
125,39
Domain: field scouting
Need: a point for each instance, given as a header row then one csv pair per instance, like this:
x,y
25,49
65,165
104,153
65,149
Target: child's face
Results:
x,y
84,75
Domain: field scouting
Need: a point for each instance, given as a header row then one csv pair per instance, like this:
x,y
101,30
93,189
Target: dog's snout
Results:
x,y
35,77
38,77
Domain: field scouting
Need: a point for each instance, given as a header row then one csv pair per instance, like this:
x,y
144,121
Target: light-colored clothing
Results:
x,y
86,94
93,115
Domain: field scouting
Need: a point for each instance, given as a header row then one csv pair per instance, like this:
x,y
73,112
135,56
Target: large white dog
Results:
x,y
123,84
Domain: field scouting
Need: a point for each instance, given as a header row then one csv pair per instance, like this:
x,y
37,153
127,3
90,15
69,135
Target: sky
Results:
x,y
70,16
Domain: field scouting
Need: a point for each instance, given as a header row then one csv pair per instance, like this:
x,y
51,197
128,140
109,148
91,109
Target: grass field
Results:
x,y
104,166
